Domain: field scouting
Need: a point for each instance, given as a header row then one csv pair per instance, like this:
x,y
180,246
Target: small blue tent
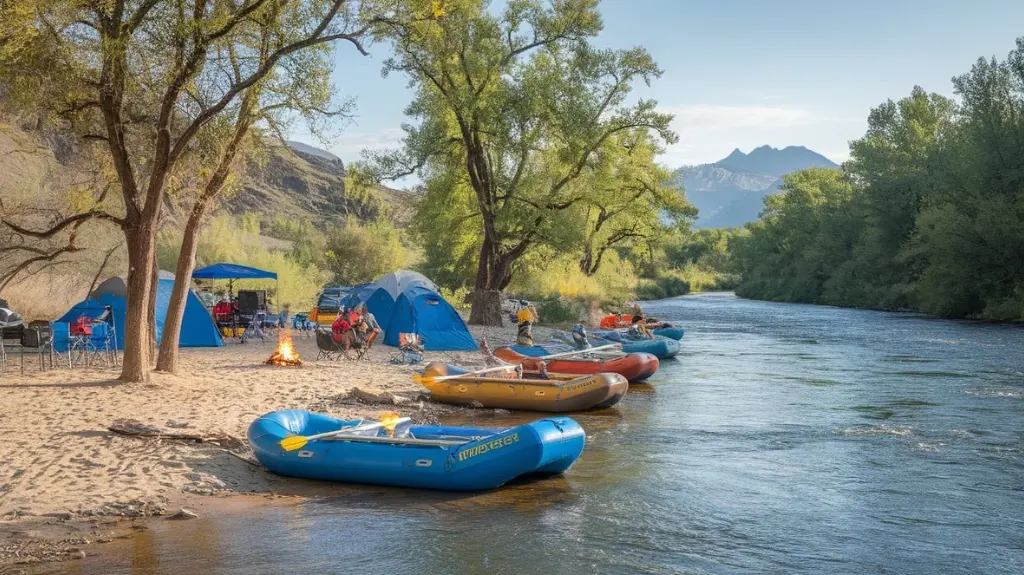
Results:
x,y
197,327
420,310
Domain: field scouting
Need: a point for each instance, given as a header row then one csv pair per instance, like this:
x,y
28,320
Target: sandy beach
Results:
x,y
61,460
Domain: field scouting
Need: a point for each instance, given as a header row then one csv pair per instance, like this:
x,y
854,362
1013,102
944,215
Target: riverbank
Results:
x,y
63,464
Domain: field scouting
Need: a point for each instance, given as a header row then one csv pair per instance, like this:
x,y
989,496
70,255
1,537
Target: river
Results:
x,y
785,438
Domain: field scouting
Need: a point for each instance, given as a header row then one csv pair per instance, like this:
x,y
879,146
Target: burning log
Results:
x,y
285,354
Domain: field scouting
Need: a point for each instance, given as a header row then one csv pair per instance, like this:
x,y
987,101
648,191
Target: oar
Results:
x,y
419,378
579,351
403,440
298,441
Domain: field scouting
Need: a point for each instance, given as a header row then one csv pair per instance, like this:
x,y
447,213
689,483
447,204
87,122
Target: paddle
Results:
x,y
579,351
298,441
419,378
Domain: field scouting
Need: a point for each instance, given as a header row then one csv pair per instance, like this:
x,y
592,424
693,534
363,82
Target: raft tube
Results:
x,y
660,347
559,394
489,457
633,366
675,333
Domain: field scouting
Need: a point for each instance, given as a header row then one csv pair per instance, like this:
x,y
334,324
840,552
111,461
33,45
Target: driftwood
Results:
x,y
138,429
382,398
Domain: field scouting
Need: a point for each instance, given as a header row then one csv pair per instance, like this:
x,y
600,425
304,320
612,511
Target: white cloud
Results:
x,y
709,132
349,146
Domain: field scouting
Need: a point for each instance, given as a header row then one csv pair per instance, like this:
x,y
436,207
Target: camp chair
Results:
x,y
255,327
357,347
410,349
301,324
329,349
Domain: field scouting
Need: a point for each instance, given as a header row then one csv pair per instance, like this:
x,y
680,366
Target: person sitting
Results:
x,y
579,336
373,328
341,331
639,329
527,317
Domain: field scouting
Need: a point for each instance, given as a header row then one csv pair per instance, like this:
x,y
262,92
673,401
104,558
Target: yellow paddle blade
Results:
x,y
422,379
389,420
294,442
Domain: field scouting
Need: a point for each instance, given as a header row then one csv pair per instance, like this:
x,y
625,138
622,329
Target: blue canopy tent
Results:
x,y
197,327
420,310
232,272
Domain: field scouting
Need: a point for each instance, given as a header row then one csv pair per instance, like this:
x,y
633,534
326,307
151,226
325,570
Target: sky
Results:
x,y
744,73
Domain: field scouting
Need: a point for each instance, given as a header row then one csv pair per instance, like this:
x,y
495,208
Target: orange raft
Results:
x,y
634,367
559,394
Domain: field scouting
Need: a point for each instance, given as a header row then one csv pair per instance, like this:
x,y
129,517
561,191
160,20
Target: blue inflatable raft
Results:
x,y
424,456
675,333
660,347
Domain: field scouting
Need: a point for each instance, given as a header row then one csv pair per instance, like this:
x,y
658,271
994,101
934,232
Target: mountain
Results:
x,y
730,192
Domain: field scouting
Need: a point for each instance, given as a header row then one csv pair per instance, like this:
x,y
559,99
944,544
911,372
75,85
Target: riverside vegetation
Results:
x,y
567,206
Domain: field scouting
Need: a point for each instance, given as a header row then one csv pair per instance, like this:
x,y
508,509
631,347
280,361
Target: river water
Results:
x,y
785,438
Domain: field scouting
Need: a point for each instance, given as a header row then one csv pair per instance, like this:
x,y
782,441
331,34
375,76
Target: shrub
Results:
x,y
561,311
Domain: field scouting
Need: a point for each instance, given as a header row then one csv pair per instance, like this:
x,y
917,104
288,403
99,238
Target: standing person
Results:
x,y
527,317
372,326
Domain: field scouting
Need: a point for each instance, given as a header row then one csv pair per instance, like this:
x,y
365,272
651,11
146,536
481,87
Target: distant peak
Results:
x,y
737,153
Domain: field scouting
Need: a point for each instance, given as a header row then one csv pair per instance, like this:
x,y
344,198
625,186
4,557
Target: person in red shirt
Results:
x,y
342,331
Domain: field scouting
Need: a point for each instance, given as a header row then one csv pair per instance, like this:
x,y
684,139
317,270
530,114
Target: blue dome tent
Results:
x,y
423,311
197,327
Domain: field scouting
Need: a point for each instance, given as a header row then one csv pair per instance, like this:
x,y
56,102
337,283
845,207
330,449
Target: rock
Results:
x,y
476,404
184,514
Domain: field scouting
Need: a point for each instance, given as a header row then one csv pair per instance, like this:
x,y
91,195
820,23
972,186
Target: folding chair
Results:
x,y
410,349
357,346
329,349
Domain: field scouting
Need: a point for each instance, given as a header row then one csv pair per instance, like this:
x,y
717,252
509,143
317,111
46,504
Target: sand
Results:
x,y
60,460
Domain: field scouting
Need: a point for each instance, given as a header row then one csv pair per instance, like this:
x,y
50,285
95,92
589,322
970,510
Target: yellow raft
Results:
x,y
559,394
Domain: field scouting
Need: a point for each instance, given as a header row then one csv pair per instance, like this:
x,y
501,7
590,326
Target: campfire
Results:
x,y
285,354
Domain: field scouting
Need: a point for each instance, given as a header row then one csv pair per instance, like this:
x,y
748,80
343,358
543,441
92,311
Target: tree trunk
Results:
x,y
154,285
486,297
140,242
168,361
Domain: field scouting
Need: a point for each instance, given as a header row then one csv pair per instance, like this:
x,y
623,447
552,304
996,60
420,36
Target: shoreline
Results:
x,y
70,481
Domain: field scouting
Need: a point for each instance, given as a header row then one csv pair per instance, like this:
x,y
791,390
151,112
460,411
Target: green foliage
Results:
x,y
357,253
547,275
237,240
512,110
926,215
456,297
561,311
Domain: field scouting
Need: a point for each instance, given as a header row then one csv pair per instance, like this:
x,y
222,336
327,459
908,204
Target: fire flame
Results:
x,y
285,353
389,420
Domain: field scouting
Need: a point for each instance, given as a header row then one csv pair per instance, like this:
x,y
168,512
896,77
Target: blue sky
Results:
x,y
742,73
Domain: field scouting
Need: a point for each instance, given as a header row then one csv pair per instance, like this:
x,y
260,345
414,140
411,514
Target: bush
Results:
x,y
561,311
237,240
358,253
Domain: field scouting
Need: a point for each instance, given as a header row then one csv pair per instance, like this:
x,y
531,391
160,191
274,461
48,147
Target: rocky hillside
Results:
x,y
731,191
304,182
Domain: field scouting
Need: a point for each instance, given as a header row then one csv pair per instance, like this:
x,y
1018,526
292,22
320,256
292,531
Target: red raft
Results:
x,y
633,366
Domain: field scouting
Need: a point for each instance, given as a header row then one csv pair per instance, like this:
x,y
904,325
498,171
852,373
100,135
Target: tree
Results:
x,y
135,76
514,108
357,253
632,201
